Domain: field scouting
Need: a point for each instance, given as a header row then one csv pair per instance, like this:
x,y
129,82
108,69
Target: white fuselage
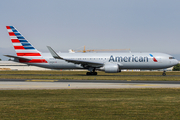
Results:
x,y
124,60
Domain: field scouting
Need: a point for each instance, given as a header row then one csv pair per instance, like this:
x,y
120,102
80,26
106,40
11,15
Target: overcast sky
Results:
x,y
141,25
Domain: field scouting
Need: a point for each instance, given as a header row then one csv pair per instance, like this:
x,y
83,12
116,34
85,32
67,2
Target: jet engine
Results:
x,y
111,68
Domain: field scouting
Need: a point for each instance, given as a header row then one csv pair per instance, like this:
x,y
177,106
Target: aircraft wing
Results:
x,y
22,58
83,63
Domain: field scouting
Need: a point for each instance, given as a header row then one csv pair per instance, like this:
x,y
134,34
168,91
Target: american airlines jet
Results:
x,y
108,62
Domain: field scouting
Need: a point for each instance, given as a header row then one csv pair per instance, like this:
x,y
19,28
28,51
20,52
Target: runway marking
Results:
x,y
41,80
146,85
21,85
139,84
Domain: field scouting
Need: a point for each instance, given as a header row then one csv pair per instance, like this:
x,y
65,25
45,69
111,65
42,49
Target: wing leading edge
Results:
x,y
85,64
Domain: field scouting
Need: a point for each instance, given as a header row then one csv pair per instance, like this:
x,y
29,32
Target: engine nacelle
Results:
x,y
112,68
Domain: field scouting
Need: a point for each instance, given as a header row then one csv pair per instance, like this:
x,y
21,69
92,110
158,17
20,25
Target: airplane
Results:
x,y
107,62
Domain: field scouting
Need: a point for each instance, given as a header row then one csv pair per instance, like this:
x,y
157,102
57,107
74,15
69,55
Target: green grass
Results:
x,y
80,75
130,104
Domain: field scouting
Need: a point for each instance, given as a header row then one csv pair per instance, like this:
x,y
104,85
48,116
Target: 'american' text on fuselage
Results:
x,y
128,59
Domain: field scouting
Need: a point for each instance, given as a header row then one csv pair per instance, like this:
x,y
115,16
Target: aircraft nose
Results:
x,y
176,62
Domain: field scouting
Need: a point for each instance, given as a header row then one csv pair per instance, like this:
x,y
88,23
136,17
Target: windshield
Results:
x,y
171,58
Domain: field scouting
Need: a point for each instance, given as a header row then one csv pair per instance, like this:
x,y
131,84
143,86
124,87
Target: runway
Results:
x,y
27,84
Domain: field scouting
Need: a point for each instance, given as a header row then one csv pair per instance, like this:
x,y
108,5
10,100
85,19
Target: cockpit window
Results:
x,y
171,58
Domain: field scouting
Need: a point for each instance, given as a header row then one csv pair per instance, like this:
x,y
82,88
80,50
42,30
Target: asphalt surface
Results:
x,y
90,81
25,84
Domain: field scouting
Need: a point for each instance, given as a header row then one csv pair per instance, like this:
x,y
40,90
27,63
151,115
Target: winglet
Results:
x,y
53,53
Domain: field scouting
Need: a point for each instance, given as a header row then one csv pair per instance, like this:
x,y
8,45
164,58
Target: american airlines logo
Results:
x,y
154,59
128,59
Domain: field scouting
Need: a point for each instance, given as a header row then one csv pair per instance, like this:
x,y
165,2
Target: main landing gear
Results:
x,y
92,71
164,73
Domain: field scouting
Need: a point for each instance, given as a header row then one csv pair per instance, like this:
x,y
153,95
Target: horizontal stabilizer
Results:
x,y
22,58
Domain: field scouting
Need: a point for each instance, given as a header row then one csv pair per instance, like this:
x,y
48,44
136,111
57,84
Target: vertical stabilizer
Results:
x,y
23,47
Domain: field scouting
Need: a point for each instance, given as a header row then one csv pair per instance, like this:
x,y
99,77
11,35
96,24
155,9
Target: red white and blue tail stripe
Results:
x,y
23,47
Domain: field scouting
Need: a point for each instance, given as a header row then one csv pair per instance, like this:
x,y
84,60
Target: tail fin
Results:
x,y
26,53
21,45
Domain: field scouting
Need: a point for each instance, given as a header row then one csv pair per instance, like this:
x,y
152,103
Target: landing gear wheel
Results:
x,y
164,73
95,73
91,73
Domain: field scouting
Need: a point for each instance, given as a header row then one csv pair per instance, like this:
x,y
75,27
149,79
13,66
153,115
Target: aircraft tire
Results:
x,y
91,73
164,74
95,73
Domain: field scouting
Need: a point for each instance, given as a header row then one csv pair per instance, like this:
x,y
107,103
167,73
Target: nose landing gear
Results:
x,y
164,73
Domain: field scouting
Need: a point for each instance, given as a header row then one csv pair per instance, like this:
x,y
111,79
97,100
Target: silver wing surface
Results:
x,y
85,64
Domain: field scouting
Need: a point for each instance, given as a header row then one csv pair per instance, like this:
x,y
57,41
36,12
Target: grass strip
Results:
x,y
128,104
80,75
